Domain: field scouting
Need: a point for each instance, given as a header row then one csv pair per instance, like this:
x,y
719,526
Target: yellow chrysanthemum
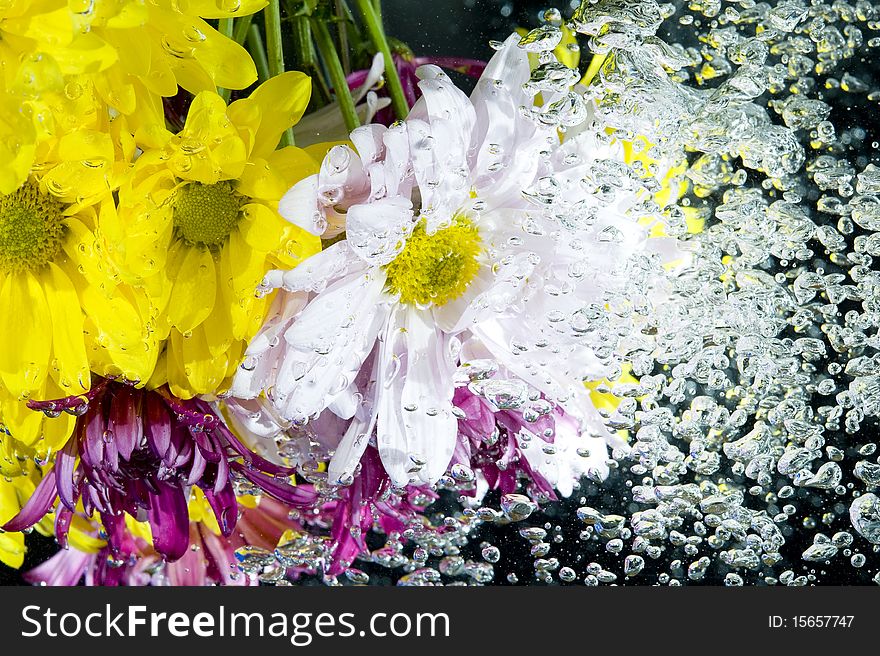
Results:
x,y
198,227
129,53
65,310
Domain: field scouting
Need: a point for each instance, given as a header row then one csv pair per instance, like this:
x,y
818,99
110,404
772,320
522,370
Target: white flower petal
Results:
x,y
351,449
398,170
440,134
346,403
353,444
249,417
431,427
377,231
507,144
319,271
299,206
390,431
327,345
374,77
257,370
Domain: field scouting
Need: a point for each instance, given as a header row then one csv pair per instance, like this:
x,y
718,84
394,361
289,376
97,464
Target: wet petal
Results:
x,y
195,289
65,468
125,422
158,425
68,345
224,505
169,521
25,332
37,506
277,104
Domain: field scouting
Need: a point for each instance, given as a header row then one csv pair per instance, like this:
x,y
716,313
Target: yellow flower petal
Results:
x,y
139,529
190,75
12,549
52,27
204,371
262,228
86,144
25,333
68,347
116,88
270,179
17,147
81,536
88,53
235,352
115,335
200,511
83,250
174,371
218,325
128,15
191,41
195,288
208,149
148,123
160,78
224,8
274,106
246,268
23,424
55,433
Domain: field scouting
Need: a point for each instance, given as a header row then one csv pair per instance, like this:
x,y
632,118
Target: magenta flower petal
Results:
x,y
63,518
125,423
296,495
198,468
37,506
210,451
93,444
250,457
169,521
158,426
224,505
66,568
357,78
65,468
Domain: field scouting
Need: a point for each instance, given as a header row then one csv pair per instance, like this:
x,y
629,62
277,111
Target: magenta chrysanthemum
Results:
x,y
139,453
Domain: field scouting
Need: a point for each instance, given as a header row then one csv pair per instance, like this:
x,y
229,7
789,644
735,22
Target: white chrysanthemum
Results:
x,y
472,219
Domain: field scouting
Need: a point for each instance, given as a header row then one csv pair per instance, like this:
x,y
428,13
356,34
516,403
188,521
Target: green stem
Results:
x,y
377,36
304,53
275,52
321,85
242,25
224,26
342,28
272,14
337,76
302,42
258,52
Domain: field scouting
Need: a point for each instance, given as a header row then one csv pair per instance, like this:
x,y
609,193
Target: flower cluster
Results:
x,y
228,359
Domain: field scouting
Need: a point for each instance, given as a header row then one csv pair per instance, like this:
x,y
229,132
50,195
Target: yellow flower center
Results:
x,y
31,228
436,268
206,214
